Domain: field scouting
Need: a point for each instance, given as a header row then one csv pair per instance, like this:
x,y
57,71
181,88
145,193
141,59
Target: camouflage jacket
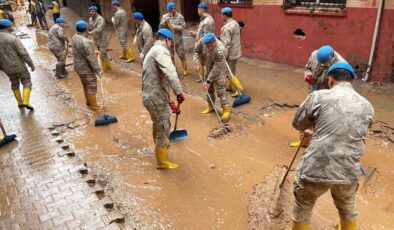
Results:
x,y
207,25
97,30
178,25
158,76
215,62
13,55
120,22
319,71
144,37
85,60
340,118
56,38
231,38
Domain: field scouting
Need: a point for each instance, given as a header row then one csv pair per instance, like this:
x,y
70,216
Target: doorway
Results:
x,y
150,10
190,8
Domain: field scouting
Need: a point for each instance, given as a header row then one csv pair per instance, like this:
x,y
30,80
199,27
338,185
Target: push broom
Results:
x,y
7,138
105,119
180,133
241,99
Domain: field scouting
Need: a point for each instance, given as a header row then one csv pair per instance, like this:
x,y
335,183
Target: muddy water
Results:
x,y
212,186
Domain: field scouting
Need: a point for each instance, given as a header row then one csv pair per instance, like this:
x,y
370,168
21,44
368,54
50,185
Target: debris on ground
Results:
x,y
382,131
234,130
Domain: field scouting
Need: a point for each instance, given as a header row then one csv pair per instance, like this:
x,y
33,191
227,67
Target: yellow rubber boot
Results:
x,y
229,84
123,56
209,109
239,86
226,113
17,94
26,98
105,67
347,225
161,157
297,226
85,92
37,25
131,56
305,143
184,65
93,102
108,64
1,138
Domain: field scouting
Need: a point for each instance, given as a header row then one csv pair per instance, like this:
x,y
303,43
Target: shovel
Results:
x,y
241,99
178,134
6,139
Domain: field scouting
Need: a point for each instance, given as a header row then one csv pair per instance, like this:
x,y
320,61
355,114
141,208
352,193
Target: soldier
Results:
x,y
120,22
341,118
13,60
175,22
57,40
40,13
158,77
216,71
231,38
85,63
143,39
316,74
97,30
207,25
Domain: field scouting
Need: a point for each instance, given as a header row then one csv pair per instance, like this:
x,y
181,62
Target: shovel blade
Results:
x,y
105,120
240,100
178,135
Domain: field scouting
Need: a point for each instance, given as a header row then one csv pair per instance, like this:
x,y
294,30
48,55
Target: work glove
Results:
x,y
174,108
180,98
309,79
113,20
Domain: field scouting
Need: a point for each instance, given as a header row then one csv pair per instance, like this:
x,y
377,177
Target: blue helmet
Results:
x,y
59,20
81,24
209,38
93,8
170,5
116,3
324,54
226,10
203,5
167,33
138,15
5,23
342,65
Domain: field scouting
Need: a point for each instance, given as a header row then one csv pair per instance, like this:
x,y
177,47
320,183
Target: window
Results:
x,y
236,2
315,4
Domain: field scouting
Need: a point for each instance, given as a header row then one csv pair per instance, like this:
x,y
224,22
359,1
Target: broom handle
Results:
x,y
213,105
232,75
176,118
291,163
101,82
2,129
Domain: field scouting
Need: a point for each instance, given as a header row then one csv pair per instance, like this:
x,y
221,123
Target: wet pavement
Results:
x,y
50,183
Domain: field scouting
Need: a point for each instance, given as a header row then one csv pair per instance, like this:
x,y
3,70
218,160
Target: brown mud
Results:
x,y
213,185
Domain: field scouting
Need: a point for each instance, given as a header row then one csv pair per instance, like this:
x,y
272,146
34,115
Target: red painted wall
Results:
x,y
268,34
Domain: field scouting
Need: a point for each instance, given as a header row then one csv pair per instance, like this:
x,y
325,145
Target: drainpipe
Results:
x,y
374,41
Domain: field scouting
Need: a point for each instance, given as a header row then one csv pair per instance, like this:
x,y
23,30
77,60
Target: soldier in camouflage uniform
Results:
x,y
13,60
158,77
143,39
340,118
175,22
231,38
86,64
97,30
120,22
216,71
56,41
207,25
316,75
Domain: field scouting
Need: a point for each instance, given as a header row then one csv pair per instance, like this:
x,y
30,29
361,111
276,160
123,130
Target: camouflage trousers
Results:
x,y
219,86
89,83
123,40
16,78
233,67
103,53
60,55
161,126
179,49
306,194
